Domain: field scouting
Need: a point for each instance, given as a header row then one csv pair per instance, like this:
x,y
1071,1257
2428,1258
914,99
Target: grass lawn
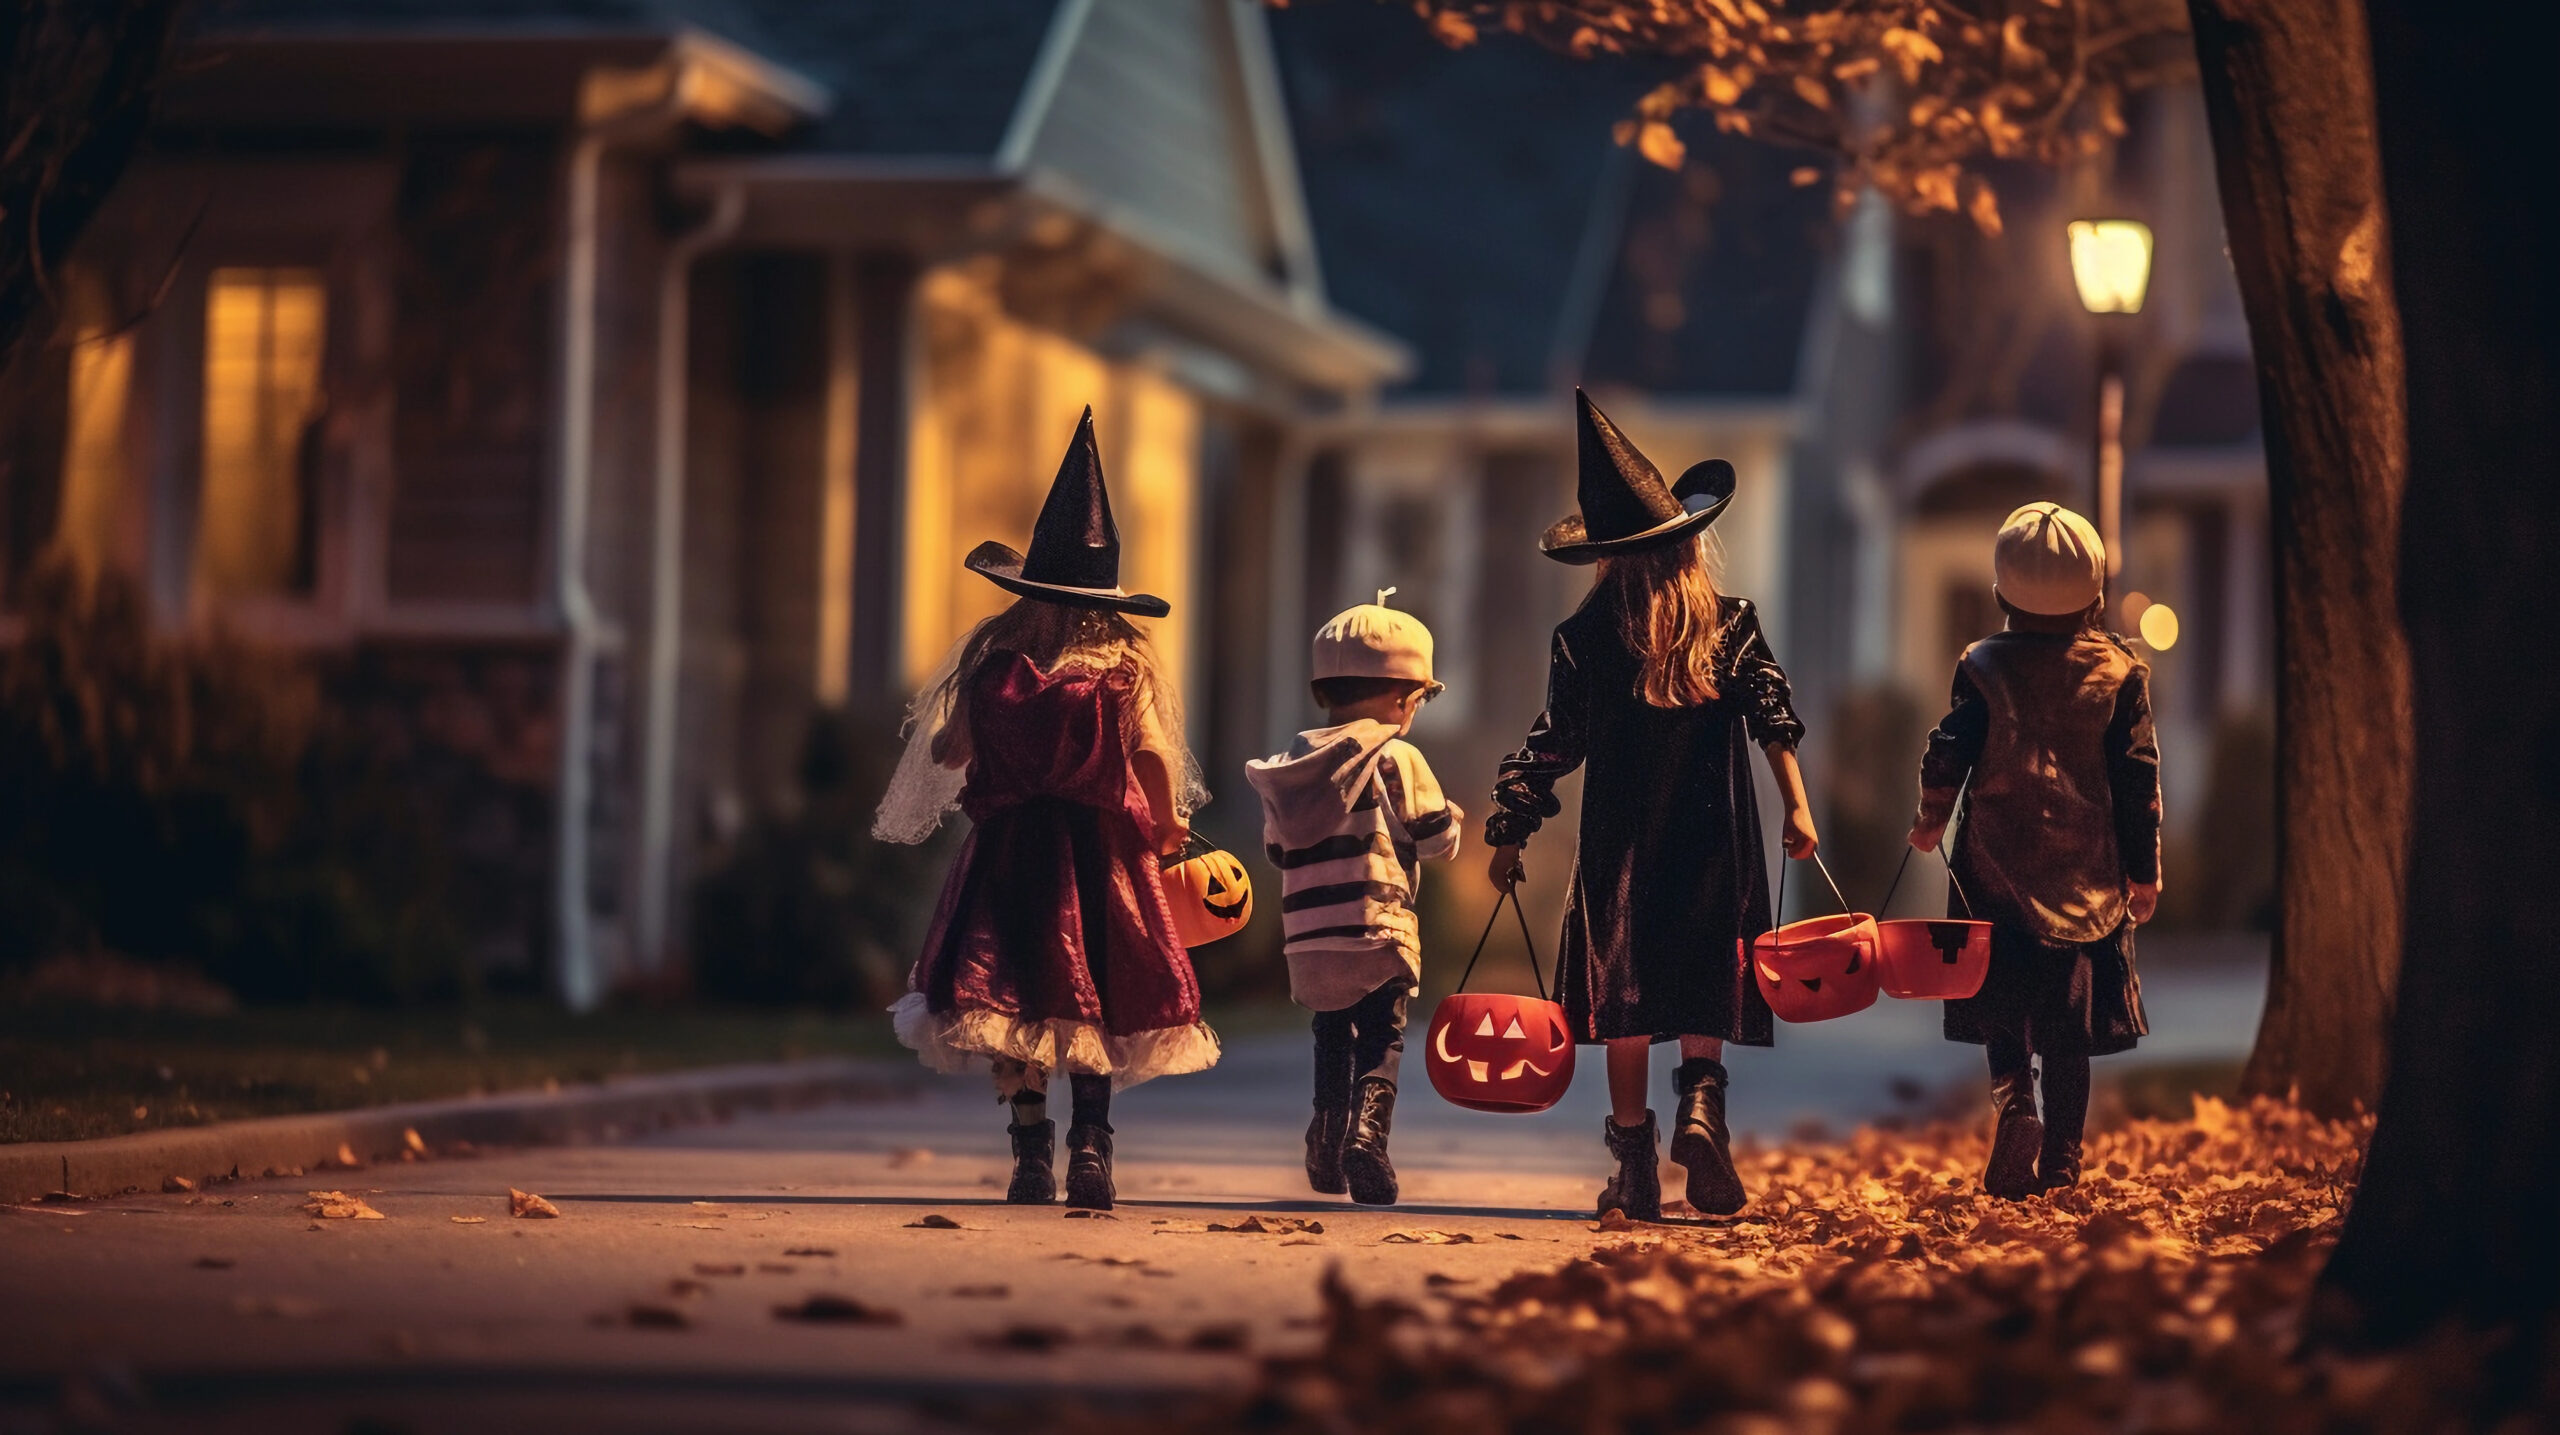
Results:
x,y
72,1073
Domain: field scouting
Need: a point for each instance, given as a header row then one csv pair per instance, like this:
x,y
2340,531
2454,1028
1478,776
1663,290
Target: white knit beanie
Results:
x,y
2048,561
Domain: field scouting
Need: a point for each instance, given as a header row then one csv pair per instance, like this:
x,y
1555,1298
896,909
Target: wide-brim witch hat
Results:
x,y
1075,547
1626,507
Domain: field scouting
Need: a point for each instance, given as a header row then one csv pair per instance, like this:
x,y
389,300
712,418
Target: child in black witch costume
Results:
x,y
1657,687
1053,949
2048,736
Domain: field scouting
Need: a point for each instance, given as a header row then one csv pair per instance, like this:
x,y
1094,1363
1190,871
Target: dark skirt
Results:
x,y
2067,998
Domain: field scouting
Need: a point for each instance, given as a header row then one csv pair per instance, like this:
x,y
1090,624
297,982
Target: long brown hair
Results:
x,y
1048,634
1670,619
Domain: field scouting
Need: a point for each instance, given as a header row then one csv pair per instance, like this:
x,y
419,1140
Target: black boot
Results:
x,y
1035,1175
1324,1149
2066,1116
2016,1141
1365,1167
1089,1168
1637,1188
1089,1143
1700,1140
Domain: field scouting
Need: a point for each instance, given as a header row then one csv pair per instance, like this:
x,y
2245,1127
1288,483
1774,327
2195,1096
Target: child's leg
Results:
x,y
1023,1090
1332,1119
1089,1143
1378,1032
1377,1024
1630,1064
2066,1117
1700,1139
2019,1136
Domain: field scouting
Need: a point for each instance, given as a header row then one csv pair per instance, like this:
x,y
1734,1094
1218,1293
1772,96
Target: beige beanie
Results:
x,y
1373,641
2048,561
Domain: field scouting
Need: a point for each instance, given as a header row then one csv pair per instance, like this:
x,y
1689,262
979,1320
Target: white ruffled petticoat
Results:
x,y
959,1041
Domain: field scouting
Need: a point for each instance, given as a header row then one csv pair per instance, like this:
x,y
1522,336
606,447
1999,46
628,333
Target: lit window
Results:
x,y
263,332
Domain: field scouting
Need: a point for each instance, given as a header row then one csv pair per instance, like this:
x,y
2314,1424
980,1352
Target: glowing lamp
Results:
x,y
2159,626
2111,264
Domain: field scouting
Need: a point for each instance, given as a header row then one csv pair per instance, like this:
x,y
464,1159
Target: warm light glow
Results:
x,y
2111,264
263,332
2132,607
2160,627
998,403
93,455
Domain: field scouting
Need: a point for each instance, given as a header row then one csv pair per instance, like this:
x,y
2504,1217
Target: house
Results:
x,y
598,389
1887,388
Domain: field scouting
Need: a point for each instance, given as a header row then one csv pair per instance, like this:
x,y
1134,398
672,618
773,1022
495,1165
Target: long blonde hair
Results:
x,y
1670,618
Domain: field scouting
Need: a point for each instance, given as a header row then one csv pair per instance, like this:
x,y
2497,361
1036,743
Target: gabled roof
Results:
x,y
1473,204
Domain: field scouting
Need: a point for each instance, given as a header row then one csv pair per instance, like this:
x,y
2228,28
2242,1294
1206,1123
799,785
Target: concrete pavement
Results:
x,y
650,1304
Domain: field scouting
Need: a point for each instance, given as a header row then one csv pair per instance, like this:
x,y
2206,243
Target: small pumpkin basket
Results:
x,y
1209,892
1932,959
1494,1051
1820,968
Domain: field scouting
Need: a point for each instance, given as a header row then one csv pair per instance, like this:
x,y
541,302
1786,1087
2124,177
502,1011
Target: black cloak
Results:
x,y
1670,874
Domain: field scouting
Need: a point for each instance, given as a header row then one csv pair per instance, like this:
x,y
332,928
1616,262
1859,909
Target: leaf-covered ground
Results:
x,y
1873,1287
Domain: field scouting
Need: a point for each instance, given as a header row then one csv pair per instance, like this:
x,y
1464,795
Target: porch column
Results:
x,y
883,287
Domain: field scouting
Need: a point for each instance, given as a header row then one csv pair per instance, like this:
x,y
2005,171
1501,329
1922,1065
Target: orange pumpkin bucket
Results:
x,y
1209,892
1492,1051
1923,959
1819,968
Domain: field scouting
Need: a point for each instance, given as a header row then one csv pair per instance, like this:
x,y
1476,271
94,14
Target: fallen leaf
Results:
x,y
177,1185
1272,1226
346,1158
412,1141
1427,1238
819,1251
656,1317
715,1268
981,1292
525,1205
935,1222
339,1206
837,1310
1032,1338
775,1268
468,1220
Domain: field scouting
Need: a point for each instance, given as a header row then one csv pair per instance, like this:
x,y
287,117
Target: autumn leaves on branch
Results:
x,y
1914,97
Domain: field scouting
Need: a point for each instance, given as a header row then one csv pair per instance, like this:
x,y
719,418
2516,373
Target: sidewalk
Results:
x,y
616,1109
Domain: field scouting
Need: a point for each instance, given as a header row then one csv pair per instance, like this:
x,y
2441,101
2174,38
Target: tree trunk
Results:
x,y
2454,1213
2287,88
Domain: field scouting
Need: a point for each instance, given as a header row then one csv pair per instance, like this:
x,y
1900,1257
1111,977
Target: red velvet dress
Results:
x,y
1052,943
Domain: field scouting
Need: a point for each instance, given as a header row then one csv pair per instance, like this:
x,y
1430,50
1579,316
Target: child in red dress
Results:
x,y
1052,949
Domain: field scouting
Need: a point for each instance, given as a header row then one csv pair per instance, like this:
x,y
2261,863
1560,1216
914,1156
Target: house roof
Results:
x,y
1474,204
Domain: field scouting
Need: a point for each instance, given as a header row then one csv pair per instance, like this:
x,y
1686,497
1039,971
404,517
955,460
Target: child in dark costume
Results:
x,y
1053,949
1658,687
2049,738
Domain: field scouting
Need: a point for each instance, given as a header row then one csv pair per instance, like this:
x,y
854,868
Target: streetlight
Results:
x,y
2111,266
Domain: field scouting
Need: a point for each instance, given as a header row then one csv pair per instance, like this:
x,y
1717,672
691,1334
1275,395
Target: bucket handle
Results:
x,y
1778,909
1952,879
1527,942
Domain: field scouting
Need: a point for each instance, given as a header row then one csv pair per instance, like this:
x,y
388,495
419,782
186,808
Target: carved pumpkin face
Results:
x,y
1819,968
1932,960
1210,895
1495,1052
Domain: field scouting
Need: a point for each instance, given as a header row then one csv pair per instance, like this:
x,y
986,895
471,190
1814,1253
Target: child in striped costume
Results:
x,y
1349,812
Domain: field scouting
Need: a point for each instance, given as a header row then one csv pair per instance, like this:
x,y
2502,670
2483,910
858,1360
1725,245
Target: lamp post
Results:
x,y
2111,267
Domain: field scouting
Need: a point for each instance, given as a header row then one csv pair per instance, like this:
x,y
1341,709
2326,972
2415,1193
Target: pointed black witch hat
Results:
x,y
1626,507
1075,547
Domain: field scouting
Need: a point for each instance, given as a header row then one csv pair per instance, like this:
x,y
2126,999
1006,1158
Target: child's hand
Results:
x,y
1505,868
1171,837
1925,836
1799,836
2146,900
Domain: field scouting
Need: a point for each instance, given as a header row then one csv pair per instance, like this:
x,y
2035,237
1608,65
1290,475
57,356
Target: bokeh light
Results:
x,y
2159,626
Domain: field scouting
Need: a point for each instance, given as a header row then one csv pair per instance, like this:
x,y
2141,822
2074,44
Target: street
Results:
x,y
655,1300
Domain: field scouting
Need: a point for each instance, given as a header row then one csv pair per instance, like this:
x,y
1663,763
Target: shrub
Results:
x,y
189,802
